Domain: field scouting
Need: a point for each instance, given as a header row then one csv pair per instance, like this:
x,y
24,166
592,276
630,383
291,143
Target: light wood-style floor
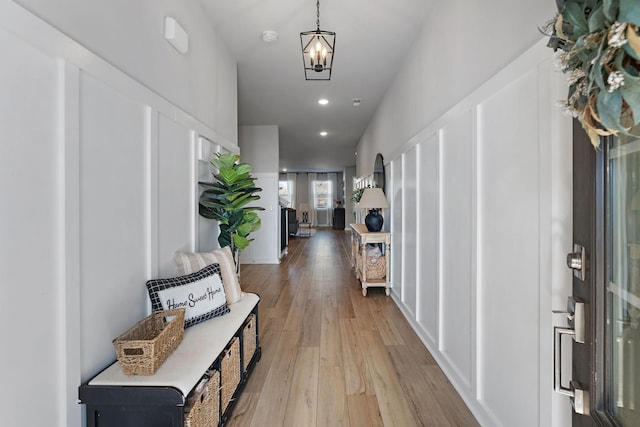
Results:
x,y
331,357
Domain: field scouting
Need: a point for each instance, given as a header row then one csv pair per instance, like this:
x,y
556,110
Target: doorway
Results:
x,y
605,385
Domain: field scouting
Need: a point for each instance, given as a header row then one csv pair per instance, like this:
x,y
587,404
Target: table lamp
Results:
x,y
374,200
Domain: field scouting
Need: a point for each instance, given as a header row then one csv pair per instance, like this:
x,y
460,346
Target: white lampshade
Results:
x,y
304,207
373,198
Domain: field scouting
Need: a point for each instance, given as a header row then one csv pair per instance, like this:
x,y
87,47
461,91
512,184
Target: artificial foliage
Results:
x,y
598,46
226,200
357,193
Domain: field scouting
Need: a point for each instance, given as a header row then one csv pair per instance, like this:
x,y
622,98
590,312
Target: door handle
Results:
x,y
557,360
575,313
576,329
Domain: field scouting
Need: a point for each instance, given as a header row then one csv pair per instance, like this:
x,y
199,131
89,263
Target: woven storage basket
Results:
x,y
204,405
249,333
376,267
229,372
143,347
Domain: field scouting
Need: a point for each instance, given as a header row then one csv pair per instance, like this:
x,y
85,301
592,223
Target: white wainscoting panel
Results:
x,y
410,216
396,203
176,197
456,310
428,236
208,230
98,178
113,224
508,251
31,212
493,213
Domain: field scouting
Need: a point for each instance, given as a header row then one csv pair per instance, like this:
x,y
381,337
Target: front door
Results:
x,y
605,386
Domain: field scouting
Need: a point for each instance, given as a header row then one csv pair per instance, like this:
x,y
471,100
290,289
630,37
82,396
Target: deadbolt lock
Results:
x,y
577,261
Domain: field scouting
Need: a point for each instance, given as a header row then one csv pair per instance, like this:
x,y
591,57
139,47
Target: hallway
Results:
x,y
331,357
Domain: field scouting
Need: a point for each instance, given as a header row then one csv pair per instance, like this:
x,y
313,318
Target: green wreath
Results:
x,y
598,46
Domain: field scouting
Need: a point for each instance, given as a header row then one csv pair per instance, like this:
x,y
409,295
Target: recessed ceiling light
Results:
x,y
323,101
284,169
323,133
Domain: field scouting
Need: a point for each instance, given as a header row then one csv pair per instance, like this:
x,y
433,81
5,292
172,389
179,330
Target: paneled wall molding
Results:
x,y
535,54
52,42
475,235
99,178
68,141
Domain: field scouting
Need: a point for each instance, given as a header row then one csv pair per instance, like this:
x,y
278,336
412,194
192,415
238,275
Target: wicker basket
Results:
x,y
143,347
229,372
376,267
203,406
249,333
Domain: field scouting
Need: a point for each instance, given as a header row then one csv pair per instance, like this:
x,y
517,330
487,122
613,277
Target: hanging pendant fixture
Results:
x,y
317,51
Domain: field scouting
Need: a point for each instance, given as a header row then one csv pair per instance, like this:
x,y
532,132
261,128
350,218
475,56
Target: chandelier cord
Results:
x,y
318,14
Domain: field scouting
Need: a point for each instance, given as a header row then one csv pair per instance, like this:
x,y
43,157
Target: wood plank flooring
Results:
x,y
331,357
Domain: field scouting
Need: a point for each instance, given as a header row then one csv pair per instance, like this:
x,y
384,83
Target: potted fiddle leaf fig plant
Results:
x,y
225,200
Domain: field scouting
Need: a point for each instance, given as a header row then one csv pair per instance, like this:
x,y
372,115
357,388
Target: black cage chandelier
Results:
x,y
317,51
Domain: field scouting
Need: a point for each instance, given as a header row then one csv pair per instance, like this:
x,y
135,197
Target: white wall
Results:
x,y
480,193
265,248
462,45
98,177
260,146
129,35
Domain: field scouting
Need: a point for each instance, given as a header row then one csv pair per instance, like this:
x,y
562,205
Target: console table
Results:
x,y
367,269
223,344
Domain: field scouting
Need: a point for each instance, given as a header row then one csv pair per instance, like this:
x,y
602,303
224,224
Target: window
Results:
x,y
322,194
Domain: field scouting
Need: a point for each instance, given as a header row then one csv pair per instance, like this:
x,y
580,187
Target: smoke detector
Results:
x,y
269,36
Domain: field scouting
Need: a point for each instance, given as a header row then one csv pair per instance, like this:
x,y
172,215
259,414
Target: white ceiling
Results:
x,y
372,39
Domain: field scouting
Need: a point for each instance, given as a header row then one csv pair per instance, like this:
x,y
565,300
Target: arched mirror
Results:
x,y
379,179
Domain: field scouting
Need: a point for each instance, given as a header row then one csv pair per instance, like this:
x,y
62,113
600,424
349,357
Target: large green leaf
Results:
x,y
610,9
235,218
252,208
226,160
595,71
596,19
243,169
227,175
244,200
208,213
574,14
245,229
609,105
224,239
629,11
240,242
